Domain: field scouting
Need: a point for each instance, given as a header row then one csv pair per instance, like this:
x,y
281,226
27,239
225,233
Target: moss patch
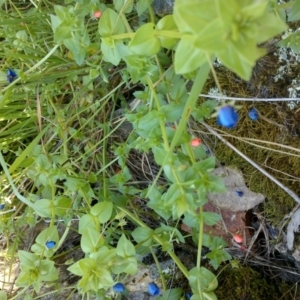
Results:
x,y
245,283
262,140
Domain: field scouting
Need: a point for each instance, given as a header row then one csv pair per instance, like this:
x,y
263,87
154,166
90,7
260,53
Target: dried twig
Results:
x,y
224,97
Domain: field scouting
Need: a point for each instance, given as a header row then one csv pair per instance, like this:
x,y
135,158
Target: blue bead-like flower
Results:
x,y
50,244
227,117
119,287
11,75
153,289
253,114
2,206
188,296
239,193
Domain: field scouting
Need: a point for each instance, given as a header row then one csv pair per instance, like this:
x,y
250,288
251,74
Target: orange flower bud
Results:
x,y
238,238
195,142
97,14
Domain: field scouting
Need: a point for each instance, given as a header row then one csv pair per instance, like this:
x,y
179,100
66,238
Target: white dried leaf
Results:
x,y
292,228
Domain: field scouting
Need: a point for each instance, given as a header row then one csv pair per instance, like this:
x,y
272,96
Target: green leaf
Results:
x,y
112,50
255,10
168,171
86,265
147,123
207,280
75,268
241,60
27,259
181,205
140,66
204,110
22,35
74,183
211,218
161,156
3,295
78,44
110,23
124,5
62,204
167,23
292,41
217,257
206,165
191,220
158,204
174,232
294,13
207,240
104,257
217,243
270,26
174,294
47,271
145,41
88,221
173,194
91,241
142,5
48,234
62,32
43,208
209,296
27,278
143,235
127,265
193,15
187,57
94,276
61,11
103,211
172,112
215,184
125,248
210,36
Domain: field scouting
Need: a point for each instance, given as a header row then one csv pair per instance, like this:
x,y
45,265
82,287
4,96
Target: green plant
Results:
x,y
68,164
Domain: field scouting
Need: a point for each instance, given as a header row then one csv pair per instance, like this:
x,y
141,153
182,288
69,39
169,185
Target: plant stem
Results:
x,y
177,261
159,269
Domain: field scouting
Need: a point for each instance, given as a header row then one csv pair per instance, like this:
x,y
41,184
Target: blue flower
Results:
x,y
11,75
1,206
228,117
188,296
119,287
253,114
50,244
153,289
239,193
